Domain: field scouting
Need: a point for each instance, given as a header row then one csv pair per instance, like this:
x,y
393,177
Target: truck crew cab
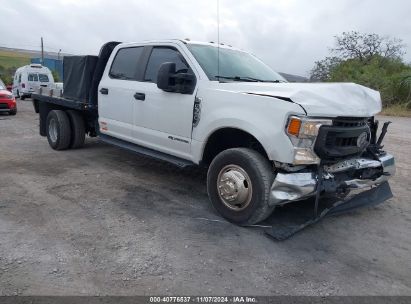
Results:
x,y
265,142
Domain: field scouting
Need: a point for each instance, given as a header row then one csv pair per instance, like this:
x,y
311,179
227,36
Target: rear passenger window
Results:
x,y
125,63
43,78
33,77
160,55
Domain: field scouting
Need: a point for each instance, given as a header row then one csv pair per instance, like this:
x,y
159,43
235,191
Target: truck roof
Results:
x,y
36,67
185,41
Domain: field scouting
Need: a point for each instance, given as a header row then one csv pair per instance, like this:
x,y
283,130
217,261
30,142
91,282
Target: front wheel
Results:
x,y
238,185
13,112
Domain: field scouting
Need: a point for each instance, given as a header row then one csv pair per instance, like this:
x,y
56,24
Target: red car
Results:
x,y
7,100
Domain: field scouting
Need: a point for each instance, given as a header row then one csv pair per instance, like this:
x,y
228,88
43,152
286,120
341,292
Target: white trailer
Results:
x,y
29,78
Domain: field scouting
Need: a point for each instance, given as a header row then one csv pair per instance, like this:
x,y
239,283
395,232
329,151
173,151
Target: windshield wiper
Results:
x,y
239,78
276,81
246,78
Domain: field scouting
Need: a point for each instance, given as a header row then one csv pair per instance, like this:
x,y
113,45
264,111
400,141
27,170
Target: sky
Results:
x,y
289,35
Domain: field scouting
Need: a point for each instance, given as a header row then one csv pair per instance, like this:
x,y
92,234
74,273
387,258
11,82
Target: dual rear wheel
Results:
x,y
65,129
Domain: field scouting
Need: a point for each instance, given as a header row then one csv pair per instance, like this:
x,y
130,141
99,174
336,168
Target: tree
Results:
x,y
6,74
55,76
363,46
370,60
323,68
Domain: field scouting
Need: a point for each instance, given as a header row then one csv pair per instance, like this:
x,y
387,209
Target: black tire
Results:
x,y
78,130
22,97
261,175
36,106
13,112
59,139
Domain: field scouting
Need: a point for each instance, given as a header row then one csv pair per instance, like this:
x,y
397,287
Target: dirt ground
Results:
x,y
103,221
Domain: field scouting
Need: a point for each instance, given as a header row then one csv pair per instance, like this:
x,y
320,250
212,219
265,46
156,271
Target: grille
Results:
x,y
333,140
349,122
4,106
340,140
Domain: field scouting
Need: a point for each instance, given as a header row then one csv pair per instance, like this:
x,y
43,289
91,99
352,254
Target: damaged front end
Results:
x,y
350,158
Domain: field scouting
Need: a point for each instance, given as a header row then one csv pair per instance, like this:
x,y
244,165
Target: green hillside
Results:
x,y
9,62
10,59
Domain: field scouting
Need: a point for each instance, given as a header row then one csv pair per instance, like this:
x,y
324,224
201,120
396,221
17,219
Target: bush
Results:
x,y
55,76
6,74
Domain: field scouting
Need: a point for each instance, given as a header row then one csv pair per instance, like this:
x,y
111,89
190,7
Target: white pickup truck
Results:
x,y
265,142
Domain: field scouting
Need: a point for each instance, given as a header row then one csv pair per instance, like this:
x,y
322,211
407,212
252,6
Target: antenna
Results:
x,y
218,39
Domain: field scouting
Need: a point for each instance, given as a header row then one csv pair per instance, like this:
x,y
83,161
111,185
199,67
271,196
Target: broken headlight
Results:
x,y
303,132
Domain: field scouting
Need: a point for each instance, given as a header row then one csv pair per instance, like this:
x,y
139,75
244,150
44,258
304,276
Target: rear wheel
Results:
x,y
36,106
78,131
58,130
238,184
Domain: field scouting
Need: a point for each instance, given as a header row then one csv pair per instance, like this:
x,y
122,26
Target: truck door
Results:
x,y
32,81
44,80
163,120
115,93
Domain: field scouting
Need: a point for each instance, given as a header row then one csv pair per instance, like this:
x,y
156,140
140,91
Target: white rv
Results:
x,y
28,78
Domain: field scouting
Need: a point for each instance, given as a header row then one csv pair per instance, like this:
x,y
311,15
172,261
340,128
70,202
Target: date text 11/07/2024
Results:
x,y
203,299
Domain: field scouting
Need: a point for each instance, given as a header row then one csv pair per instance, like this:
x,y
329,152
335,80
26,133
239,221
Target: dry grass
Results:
x,y
396,110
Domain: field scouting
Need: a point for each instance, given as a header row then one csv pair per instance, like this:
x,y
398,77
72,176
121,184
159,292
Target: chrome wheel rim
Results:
x,y
234,187
53,130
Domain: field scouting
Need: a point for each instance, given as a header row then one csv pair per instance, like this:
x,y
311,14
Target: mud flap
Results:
x,y
292,218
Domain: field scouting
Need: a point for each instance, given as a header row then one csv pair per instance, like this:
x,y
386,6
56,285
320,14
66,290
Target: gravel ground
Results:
x,y
103,221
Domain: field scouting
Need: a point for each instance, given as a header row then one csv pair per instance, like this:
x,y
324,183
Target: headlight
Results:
x,y
302,127
303,132
7,96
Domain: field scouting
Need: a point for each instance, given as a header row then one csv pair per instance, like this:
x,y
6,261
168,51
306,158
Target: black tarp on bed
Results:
x,y
78,74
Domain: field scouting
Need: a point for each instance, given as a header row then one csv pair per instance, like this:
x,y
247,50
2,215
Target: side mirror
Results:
x,y
164,76
170,81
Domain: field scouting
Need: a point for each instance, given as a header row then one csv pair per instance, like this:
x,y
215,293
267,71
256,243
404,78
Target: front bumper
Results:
x,y
6,106
290,187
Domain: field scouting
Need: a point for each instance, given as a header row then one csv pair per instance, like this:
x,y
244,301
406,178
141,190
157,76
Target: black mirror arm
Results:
x,y
184,83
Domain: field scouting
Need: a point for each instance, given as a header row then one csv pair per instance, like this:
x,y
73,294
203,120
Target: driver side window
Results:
x,y
160,55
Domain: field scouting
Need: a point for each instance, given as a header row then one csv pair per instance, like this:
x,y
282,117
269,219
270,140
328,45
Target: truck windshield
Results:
x,y
235,65
43,78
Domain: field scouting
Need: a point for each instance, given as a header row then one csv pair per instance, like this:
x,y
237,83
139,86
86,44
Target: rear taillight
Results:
x,y
23,85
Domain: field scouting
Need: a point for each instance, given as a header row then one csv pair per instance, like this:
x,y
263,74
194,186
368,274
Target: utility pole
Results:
x,y
42,51
58,55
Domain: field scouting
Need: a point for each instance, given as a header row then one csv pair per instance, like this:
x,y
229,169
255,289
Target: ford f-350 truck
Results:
x,y
265,142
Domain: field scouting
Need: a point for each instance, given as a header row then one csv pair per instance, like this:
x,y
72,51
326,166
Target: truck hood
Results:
x,y
317,99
